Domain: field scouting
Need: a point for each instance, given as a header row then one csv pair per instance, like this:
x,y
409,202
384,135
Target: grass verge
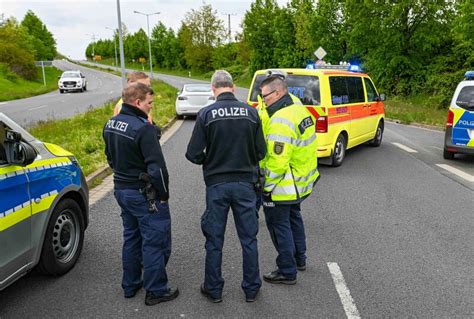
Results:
x,y
82,134
13,87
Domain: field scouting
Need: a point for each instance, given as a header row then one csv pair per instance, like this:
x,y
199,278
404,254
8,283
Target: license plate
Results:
x,y
69,86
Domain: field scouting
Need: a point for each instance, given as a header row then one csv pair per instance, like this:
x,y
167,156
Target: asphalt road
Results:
x,y
396,225
101,88
396,221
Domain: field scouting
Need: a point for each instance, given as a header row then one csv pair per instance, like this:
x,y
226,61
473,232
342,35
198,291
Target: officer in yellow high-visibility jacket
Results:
x,y
291,171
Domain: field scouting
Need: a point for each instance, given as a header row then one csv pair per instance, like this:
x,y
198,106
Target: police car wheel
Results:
x,y
378,136
63,240
448,155
179,117
339,151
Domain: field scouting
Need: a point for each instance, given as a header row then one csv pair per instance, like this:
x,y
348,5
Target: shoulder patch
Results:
x,y
278,147
305,123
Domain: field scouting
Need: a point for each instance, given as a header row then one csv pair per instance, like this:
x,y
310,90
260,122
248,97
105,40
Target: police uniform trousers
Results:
x,y
147,240
285,224
240,196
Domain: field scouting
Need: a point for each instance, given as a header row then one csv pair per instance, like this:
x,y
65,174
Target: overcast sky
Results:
x,y
73,22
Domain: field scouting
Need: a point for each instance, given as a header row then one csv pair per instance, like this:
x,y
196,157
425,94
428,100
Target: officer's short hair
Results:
x,y
276,79
136,91
222,79
135,76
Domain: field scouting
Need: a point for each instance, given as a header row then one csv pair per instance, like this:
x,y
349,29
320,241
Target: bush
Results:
x,y
18,60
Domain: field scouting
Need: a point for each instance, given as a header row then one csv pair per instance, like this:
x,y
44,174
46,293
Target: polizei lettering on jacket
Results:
x,y
117,125
230,112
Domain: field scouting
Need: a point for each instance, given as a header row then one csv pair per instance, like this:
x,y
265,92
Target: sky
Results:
x,y
73,23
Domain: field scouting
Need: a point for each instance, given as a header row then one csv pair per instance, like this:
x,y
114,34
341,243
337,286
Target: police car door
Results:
x,y
15,221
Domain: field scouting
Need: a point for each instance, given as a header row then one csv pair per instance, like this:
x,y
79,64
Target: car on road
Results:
x,y
192,98
347,107
459,135
72,81
44,205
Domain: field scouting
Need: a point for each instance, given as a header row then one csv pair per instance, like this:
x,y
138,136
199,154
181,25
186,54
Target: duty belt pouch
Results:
x,y
149,192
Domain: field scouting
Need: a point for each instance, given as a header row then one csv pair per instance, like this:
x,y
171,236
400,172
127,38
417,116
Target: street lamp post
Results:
x,y
149,41
93,42
115,49
122,56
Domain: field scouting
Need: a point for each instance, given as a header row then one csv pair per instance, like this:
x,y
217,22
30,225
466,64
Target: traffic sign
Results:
x,y
320,53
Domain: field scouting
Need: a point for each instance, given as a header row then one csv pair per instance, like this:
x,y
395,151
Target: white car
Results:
x,y
192,98
72,81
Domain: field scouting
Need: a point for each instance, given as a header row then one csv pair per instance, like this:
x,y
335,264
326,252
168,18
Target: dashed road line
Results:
x,y
38,107
344,293
437,148
405,148
1,103
458,172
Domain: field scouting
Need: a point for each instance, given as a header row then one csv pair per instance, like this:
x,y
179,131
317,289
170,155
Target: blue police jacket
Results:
x,y
228,141
132,146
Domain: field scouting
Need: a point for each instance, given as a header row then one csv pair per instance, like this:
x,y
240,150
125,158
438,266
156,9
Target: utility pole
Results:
x,y
149,41
228,24
122,57
93,43
115,48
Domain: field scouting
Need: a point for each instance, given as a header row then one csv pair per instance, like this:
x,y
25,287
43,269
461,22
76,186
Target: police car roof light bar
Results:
x,y
469,75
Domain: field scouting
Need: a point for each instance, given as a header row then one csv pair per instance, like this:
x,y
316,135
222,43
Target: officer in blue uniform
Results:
x,y
132,148
228,141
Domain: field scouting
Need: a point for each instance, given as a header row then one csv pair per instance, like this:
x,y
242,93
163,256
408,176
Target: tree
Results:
x,y
43,41
165,47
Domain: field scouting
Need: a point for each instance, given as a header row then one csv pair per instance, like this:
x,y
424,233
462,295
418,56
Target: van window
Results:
x,y
466,98
346,89
371,92
304,87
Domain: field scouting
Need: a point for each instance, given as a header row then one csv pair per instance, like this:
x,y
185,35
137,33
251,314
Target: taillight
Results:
x,y
450,120
322,124
182,98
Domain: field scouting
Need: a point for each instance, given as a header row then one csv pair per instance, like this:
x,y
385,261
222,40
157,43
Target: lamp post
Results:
x,y
149,41
93,42
115,49
122,56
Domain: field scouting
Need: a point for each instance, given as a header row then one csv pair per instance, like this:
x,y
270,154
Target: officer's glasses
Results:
x,y
268,94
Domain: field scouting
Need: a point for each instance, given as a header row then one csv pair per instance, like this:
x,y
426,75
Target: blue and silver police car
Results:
x,y
459,137
44,205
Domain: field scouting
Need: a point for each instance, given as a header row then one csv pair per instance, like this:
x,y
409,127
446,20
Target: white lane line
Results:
x,y
458,172
344,293
405,148
39,107
1,103
437,148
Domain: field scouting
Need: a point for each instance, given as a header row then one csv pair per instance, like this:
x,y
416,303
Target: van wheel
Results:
x,y
448,155
63,240
339,151
378,136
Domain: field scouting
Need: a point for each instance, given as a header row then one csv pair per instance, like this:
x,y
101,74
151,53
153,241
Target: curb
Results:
x,y
105,171
427,126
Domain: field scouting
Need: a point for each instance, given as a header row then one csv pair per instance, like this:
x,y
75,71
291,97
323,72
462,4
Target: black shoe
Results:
x,y
275,277
206,293
151,299
251,297
301,267
132,294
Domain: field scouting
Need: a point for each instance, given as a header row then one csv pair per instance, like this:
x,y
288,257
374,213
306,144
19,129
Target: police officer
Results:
x,y
290,169
132,148
228,141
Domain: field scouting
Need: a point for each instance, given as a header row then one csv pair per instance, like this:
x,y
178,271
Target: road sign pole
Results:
x,y
44,76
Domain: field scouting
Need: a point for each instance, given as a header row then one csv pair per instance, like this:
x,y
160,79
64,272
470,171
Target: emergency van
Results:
x,y
459,136
345,103
44,205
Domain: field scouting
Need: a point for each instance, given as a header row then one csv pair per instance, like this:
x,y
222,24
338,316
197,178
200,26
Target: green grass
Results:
x,y
416,109
14,87
82,134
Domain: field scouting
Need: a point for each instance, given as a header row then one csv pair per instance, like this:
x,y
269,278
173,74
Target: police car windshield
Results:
x,y
466,98
70,75
304,87
197,88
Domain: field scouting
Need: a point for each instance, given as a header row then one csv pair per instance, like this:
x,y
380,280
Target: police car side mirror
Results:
x,y
381,97
18,152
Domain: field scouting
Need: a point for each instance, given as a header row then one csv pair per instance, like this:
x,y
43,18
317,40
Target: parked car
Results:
x,y
459,136
44,205
72,81
346,106
192,98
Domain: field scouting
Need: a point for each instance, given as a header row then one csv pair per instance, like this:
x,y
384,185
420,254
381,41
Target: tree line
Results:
x,y
408,46
23,43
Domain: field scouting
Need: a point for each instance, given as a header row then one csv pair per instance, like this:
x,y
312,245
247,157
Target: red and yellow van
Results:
x,y
346,105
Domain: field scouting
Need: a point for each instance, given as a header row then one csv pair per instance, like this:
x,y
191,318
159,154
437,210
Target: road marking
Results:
x,y
438,148
458,172
111,92
344,293
1,103
39,107
405,148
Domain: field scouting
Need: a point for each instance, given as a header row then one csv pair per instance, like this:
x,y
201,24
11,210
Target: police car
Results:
x,y
459,136
344,101
44,205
